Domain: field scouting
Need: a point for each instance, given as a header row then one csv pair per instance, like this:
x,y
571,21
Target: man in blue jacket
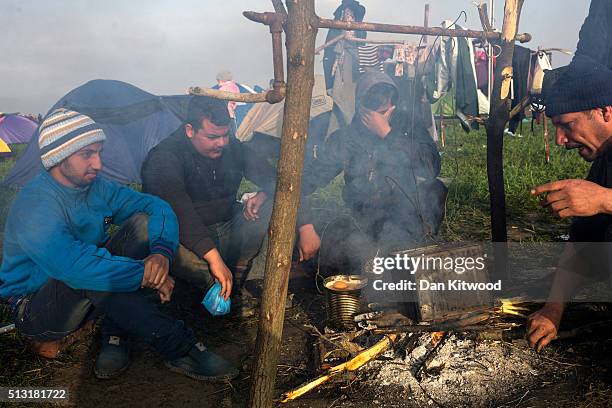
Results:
x,y
60,269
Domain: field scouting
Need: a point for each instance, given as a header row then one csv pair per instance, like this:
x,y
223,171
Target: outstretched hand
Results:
x,y
575,198
543,325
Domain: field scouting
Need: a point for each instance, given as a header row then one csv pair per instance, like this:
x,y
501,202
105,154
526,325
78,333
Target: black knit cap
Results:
x,y
581,86
358,10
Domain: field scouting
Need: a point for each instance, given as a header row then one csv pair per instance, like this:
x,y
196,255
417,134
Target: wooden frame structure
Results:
x,y
300,24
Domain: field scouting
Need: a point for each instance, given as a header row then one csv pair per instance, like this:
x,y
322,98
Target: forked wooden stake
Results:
x,y
301,29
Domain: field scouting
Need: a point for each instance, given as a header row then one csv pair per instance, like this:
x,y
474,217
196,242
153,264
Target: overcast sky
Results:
x,y
164,46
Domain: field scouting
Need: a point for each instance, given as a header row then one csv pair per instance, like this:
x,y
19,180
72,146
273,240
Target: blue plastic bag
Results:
x,y
215,303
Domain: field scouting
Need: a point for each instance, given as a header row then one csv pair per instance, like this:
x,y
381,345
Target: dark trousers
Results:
x,y
56,310
238,240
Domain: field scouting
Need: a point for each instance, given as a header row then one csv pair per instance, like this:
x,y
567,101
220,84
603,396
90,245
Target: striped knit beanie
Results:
x,y
65,132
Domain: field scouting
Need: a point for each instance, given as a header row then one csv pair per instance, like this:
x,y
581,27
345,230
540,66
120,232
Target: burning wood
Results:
x,y
436,337
353,364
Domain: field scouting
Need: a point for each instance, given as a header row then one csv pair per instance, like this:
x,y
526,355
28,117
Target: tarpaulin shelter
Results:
x,y
268,119
134,122
16,129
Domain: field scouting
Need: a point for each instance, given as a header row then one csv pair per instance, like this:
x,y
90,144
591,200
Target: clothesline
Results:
x,y
348,37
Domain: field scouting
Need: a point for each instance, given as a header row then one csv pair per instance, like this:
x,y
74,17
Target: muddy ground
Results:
x,y
466,373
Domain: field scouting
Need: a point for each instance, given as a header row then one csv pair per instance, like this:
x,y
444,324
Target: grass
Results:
x,y
465,171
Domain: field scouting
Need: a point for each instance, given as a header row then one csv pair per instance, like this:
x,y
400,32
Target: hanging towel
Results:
x,y
521,65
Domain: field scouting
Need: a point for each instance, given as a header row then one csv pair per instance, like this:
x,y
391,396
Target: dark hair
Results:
x,y
204,107
378,95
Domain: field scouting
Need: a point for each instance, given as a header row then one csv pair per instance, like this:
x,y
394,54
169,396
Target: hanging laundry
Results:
x,y
349,10
482,70
541,66
467,97
369,58
521,66
404,54
455,69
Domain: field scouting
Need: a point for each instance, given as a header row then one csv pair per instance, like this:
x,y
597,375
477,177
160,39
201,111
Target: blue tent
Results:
x,y
134,122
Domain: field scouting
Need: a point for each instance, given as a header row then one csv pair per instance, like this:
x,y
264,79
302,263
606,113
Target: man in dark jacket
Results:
x,y
390,169
596,33
198,170
579,100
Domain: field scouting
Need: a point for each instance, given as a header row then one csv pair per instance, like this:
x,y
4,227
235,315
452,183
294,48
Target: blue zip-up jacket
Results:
x,y
54,231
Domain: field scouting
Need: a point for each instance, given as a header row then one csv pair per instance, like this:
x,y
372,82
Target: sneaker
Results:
x,y
114,358
204,365
244,304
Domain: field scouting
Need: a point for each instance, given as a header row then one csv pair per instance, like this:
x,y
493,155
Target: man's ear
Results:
x,y
607,113
189,130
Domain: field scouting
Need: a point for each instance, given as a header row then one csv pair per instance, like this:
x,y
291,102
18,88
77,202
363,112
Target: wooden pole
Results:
x,y
499,114
301,32
426,22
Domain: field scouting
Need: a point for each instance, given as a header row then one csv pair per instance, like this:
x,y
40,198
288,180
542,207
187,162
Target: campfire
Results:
x,y
441,348
471,360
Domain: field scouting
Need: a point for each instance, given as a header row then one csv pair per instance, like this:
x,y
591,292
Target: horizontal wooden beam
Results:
x,y
265,18
404,29
271,96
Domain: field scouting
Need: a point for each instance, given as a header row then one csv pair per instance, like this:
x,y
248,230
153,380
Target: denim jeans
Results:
x,y
56,310
238,240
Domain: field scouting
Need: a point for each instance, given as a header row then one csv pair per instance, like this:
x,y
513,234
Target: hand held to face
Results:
x,y
377,123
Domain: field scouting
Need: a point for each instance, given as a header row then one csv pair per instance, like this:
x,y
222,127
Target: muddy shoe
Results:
x,y
204,365
114,358
245,305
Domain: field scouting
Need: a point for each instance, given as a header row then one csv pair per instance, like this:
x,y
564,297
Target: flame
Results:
x,y
436,337
511,307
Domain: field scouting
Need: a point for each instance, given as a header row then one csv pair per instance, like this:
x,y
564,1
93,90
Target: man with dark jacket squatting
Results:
x,y
579,100
390,166
198,170
61,269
